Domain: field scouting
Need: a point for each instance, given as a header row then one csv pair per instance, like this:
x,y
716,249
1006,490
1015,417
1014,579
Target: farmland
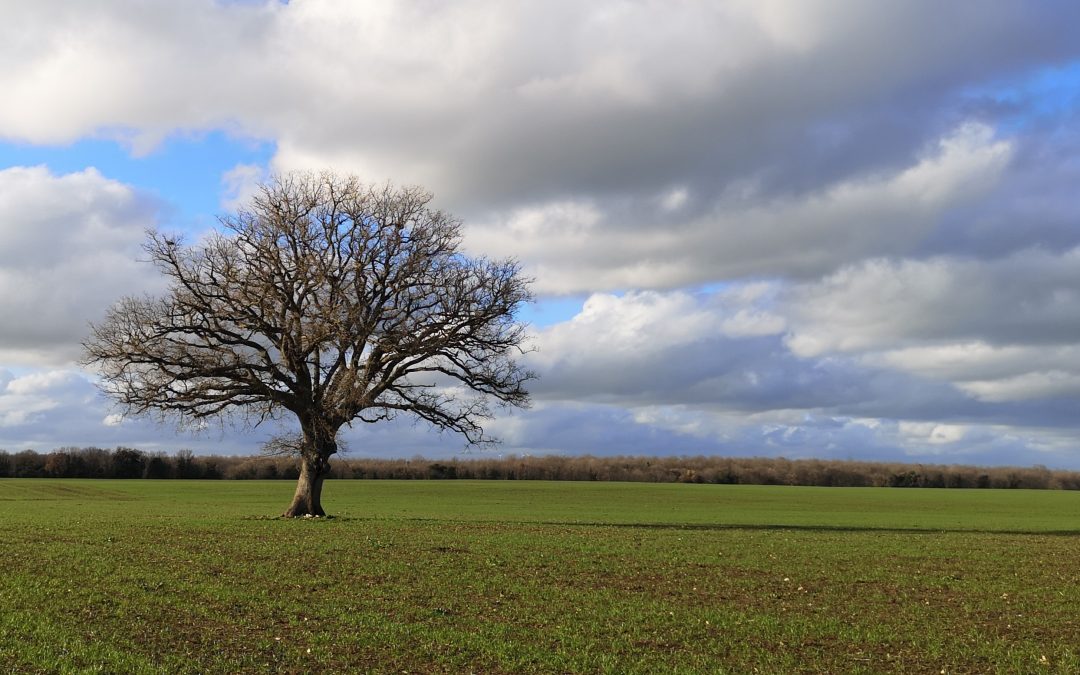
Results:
x,y
522,576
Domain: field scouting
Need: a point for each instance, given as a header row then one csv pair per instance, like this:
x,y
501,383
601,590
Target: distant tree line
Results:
x,y
124,462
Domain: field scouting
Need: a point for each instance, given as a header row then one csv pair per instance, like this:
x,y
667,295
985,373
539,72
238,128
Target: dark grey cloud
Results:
x,y
764,115
1034,205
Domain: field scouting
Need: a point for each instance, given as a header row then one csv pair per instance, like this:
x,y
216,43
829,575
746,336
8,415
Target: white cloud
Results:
x,y
1032,385
1000,330
1027,298
594,95
675,199
637,323
26,399
720,350
129,72
571,247
608,145
696,366
990,372
40,383
933,433
50,408
68,249
896,265
240,184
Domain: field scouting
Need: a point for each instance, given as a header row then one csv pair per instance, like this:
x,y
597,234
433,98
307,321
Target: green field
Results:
x,y
461,576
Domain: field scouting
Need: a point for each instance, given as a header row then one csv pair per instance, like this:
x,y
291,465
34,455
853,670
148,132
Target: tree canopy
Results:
x,y
327,300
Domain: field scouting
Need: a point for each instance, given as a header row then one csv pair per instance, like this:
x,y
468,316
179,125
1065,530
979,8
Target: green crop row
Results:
x,y
114,576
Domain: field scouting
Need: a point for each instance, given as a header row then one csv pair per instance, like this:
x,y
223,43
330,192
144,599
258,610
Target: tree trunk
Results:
x,y
319,443
308,498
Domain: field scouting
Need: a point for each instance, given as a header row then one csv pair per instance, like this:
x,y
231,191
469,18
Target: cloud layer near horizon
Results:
x,y
817,228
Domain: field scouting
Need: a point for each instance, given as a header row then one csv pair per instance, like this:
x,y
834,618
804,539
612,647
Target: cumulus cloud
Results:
x,y
604,98
1000,330
130,72
802,228
1028,297
240,184
682,363
680,430
68,249
721,351
25,399
609,145
979,360
47,406
650,346
577,246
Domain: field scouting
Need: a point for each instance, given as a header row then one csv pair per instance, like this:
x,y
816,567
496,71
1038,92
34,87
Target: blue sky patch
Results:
x,y
185,170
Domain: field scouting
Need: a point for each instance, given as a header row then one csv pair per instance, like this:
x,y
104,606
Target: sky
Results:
x,y
825,228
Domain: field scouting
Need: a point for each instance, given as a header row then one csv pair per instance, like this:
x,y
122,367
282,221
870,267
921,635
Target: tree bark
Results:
x,y
308,498
318,444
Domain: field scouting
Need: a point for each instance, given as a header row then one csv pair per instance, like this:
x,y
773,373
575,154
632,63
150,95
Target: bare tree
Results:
x,y
326,300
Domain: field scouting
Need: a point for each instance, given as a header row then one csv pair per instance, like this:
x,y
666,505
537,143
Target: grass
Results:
x,y
178,576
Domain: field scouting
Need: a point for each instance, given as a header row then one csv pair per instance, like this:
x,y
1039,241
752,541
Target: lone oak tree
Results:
x,y
328,300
